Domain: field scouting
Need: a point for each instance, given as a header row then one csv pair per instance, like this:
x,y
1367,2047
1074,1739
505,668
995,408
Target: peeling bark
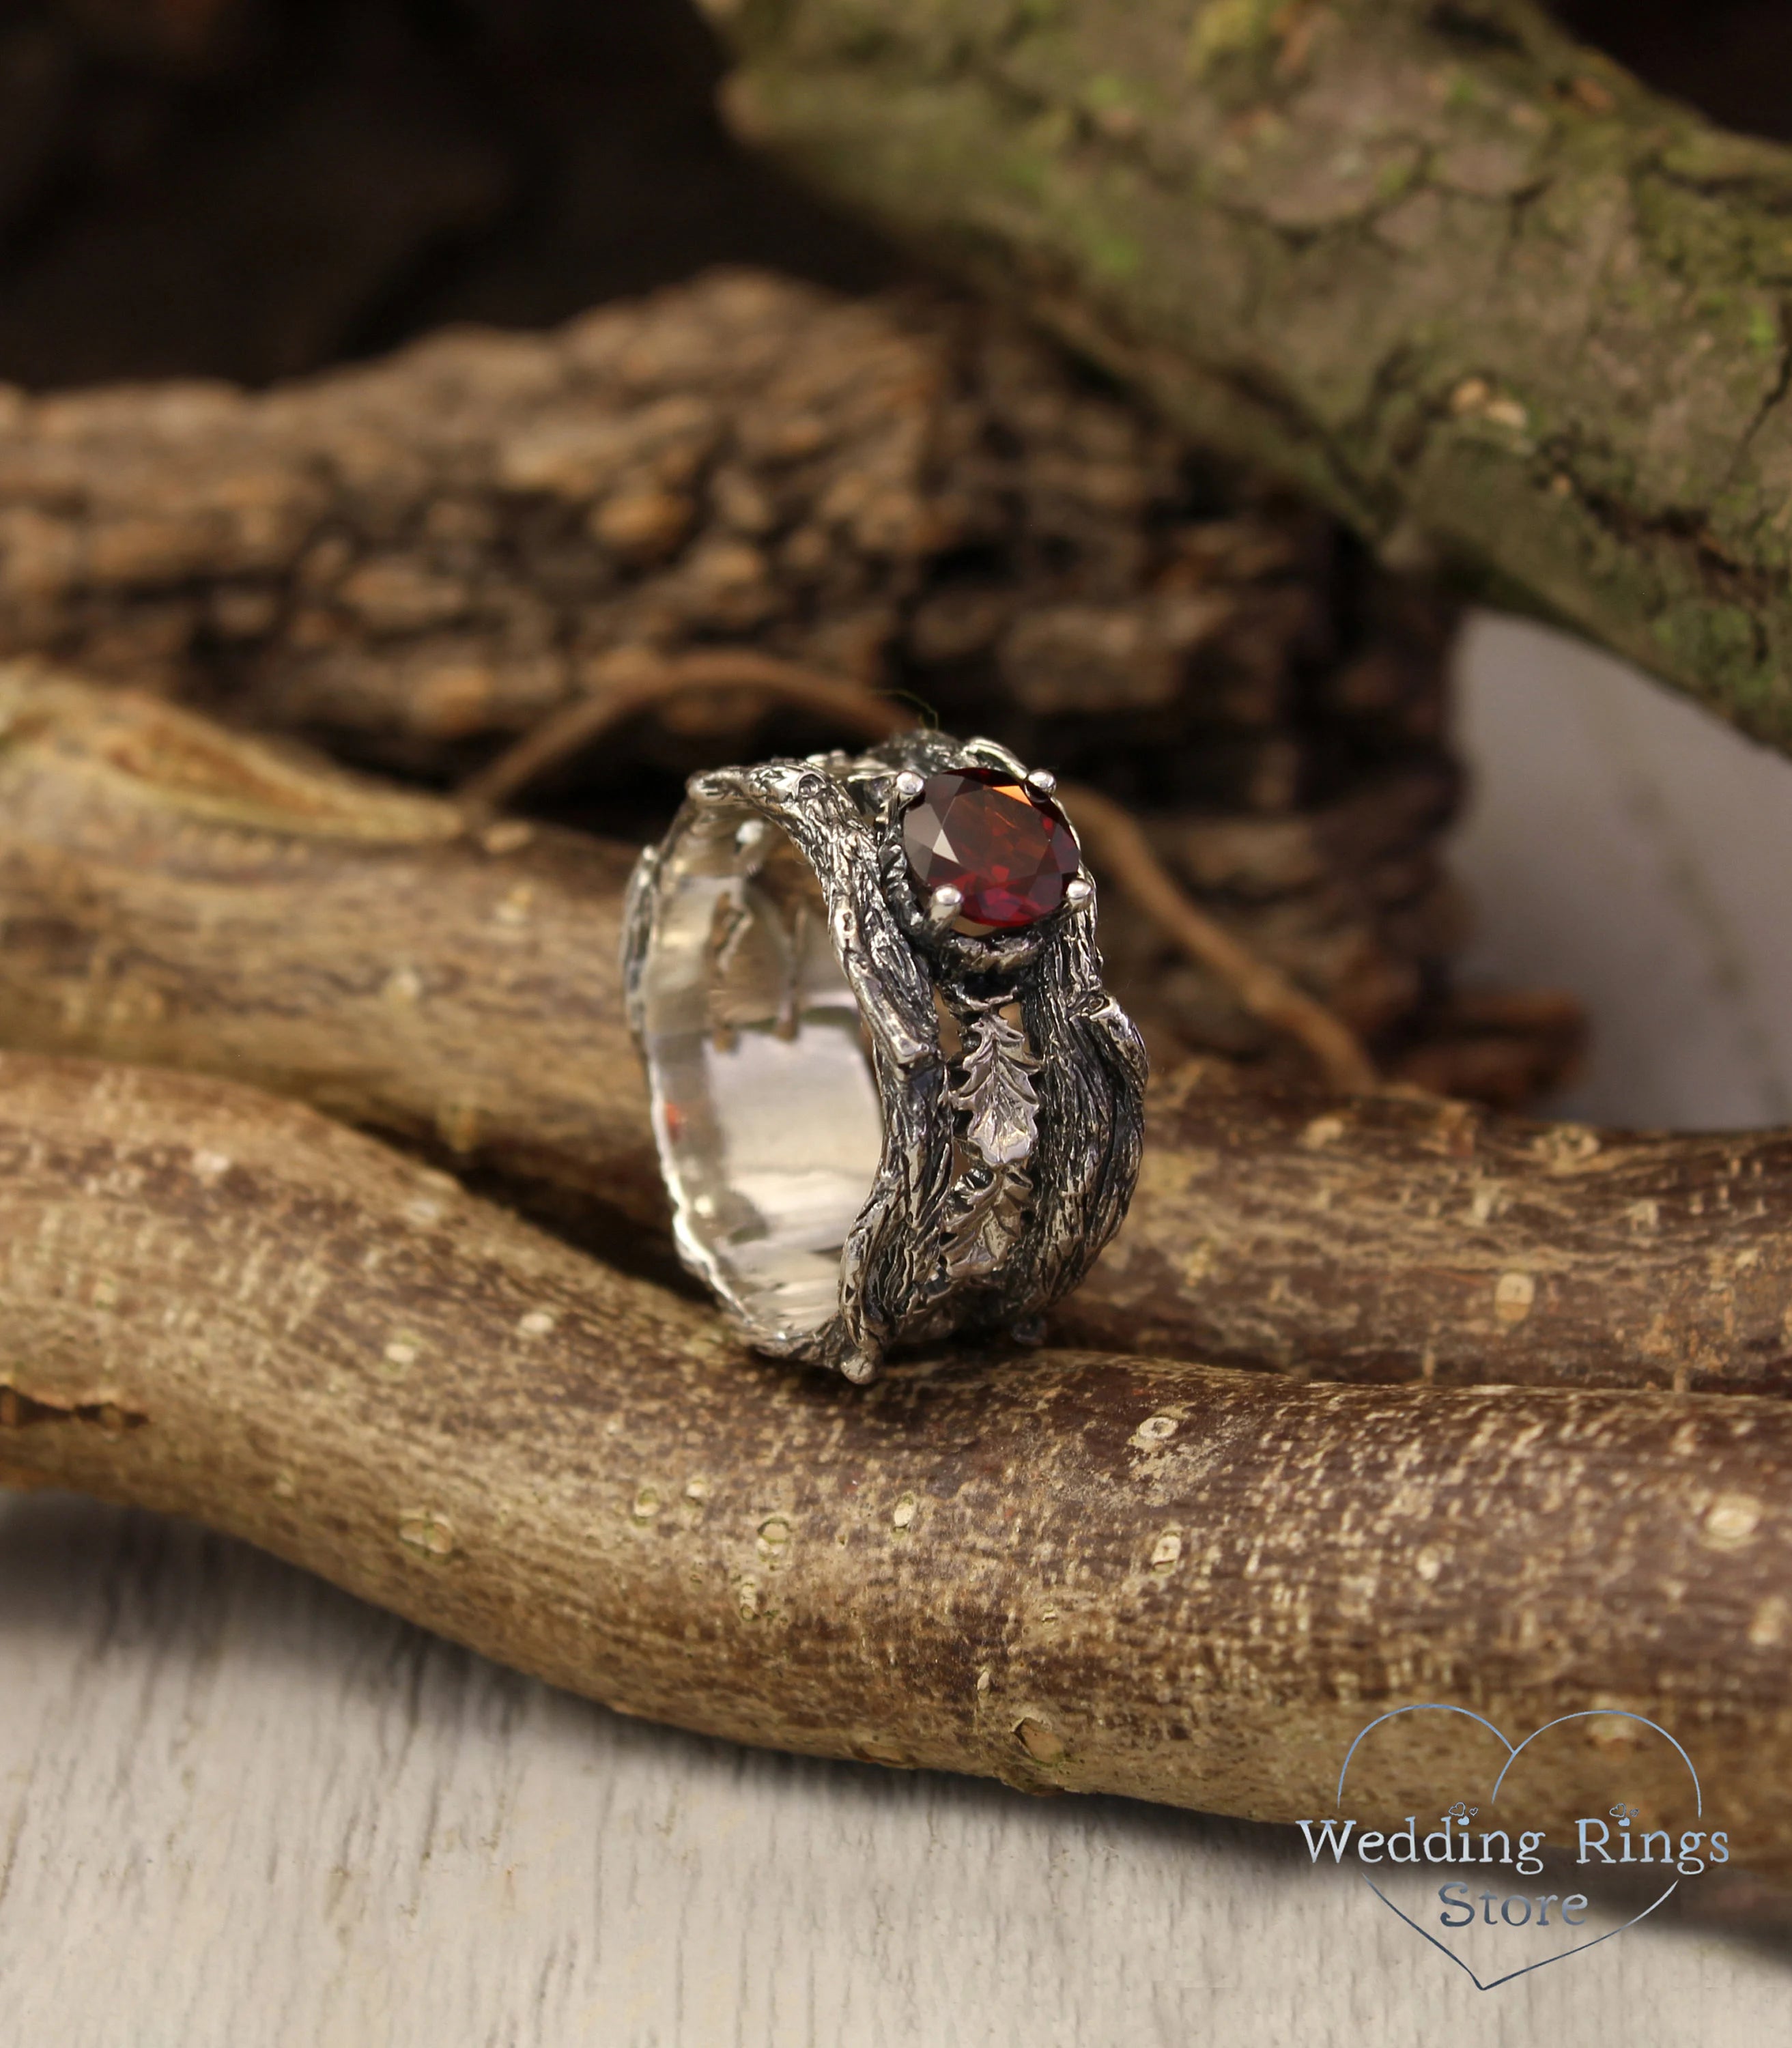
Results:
x,y
1465,280
1067,1570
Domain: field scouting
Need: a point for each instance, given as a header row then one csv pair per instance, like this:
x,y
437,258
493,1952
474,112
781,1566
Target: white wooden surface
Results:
x,y
238,1808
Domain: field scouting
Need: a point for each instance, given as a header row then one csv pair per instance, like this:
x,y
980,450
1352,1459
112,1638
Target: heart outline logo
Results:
x,y
1514,1752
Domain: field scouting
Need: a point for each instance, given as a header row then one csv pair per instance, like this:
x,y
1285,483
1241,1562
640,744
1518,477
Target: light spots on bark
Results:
x,y
428,1534
1768,1626
1565,1148
512,913
508,836
1040,1740
460,1126
400,1353
1614,1734
1514,1294
1731,1521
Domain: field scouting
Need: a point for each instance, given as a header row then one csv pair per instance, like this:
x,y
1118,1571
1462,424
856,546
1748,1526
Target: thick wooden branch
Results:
x,y
182,896
173,894
1466,280
417,559
1067,1570
1395,1237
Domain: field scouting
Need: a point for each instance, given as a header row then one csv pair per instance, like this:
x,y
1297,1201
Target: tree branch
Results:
x,y
1067,1570
417,560
174,894
1466,282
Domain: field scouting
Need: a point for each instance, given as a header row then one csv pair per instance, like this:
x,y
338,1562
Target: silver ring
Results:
x,y
892,1097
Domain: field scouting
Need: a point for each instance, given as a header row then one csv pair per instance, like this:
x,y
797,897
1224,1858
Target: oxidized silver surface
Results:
x,y
876,1127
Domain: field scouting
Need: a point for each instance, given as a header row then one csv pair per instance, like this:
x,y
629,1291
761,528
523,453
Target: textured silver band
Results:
x,y
877,1127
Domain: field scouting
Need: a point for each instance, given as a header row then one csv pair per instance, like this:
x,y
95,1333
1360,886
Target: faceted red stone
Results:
x,y
986,834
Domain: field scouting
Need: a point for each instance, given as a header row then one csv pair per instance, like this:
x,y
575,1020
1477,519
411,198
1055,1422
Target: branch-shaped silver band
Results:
x,y
878,1121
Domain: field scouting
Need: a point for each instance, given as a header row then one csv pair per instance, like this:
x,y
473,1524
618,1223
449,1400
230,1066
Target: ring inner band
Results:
x,y
767,1113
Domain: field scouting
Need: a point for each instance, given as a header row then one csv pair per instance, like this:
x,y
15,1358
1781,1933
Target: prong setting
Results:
x,y
1042,780
910,785
944,904
1079,893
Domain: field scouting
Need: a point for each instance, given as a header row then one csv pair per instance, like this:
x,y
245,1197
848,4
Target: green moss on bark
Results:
x,y
1456,276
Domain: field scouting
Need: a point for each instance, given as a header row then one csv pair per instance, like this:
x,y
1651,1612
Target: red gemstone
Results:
x,y
986,834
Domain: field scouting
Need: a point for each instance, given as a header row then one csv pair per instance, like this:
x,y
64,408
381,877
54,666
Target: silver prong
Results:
x,y
1042,779
910,785
994,755
944,904
1077,892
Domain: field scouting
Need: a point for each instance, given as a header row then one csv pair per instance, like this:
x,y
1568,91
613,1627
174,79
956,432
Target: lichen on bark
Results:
x,y
1465,281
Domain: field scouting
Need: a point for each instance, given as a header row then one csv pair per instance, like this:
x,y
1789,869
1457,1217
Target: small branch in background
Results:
x,y
647,682
1122,851
1371,247
417,561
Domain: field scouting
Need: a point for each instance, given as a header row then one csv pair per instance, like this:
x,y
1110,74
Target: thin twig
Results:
x,y
1119,845
649,682
1121,848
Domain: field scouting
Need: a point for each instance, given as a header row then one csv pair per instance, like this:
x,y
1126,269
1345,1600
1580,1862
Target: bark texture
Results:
x,y
1464,279
415,561
1388,1238
1068,1571
176,895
